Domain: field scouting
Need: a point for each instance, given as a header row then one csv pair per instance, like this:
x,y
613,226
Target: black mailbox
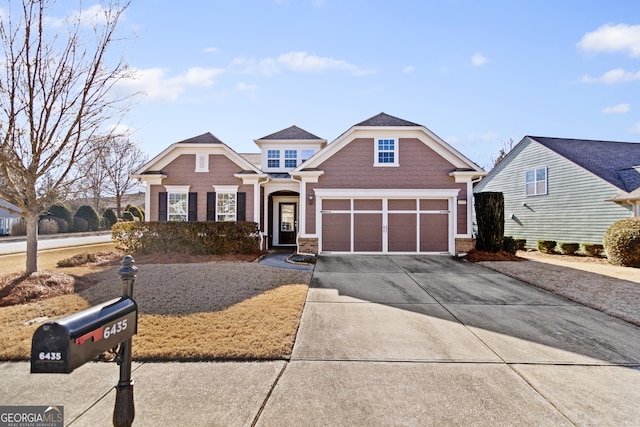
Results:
x,y
67,343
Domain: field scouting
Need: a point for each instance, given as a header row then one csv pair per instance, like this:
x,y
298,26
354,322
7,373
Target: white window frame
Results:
x,y
183,192
306,154
378,151
223,192
269,158
536,181
202,162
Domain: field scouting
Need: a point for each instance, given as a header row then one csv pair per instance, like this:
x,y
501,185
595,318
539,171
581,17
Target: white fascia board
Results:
x,y
419,132
177,149
392,193
151,179
466,176
290,142
307,176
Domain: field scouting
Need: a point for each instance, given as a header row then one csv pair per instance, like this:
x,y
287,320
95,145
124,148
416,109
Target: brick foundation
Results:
x,y
308,246
465,245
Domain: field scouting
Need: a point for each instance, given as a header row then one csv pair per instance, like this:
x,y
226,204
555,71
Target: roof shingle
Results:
x,y
205,138
293,132
612,161
384,119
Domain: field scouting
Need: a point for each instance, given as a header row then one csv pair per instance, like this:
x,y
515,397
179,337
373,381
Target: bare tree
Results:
x,y
55,96
504,150
93,174
121,157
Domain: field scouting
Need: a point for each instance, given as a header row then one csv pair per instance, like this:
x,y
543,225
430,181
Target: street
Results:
x,y
13,246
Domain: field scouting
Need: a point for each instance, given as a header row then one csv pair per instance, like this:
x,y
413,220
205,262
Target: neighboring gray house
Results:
x,y
6,218
567,190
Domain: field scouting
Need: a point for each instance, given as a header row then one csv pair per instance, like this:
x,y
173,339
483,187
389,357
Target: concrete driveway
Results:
x,y
415,340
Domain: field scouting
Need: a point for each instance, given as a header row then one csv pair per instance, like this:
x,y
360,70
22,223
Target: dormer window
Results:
x,y
273,159
290,158
386,152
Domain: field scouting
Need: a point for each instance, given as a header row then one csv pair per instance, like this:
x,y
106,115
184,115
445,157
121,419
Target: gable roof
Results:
x,y
384,119
390,123
205,138
293,132
612,161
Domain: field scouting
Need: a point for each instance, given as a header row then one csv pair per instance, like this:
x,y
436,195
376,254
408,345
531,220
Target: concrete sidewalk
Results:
x,y
403,340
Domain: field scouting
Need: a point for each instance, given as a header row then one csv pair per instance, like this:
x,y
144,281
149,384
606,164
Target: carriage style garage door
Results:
x,y
386,225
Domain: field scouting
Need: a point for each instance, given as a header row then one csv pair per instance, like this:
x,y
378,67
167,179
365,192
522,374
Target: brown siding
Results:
x,y
420,168
182,172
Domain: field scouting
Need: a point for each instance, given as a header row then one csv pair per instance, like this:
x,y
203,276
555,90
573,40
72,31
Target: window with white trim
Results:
x,y
386,152
273,158
226,206
178,206
536,182
306,155
290,158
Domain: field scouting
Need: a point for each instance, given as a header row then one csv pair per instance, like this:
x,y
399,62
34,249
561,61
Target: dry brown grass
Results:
x,y
47,258
205,311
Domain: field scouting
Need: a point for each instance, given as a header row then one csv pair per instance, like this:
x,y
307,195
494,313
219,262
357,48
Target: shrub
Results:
x,y
593,249
569,248
109,217
547,246
135,211
128,216
622,242
196,238
80,225
48,226
77,260
490,217
509,245
19,228
90,215
61,211
521,244
63,225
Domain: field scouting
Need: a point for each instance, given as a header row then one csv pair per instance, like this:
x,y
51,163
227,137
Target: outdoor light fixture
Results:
x,y
311,197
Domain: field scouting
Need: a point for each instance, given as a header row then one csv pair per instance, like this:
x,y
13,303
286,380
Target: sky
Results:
x,y
476,73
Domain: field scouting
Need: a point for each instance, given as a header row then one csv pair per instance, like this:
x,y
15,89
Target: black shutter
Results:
x,y
162,206
241,207
211,206
193,207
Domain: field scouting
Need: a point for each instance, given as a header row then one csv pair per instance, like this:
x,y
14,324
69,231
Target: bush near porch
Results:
x,y
194,238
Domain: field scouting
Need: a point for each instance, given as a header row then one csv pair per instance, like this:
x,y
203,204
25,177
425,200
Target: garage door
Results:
x,y
385,225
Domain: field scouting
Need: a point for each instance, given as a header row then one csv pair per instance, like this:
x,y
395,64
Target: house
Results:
x,y
7,217
567,190
386,185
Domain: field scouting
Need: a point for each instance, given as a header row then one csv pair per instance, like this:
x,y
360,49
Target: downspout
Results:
x,y
262,240
303,202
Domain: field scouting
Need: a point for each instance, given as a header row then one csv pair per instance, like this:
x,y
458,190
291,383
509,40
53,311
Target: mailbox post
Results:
x,y
124,411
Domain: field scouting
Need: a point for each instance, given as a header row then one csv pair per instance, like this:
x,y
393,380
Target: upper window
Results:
x,y
290,158
536,181
306,155
273,158
386,152
178,206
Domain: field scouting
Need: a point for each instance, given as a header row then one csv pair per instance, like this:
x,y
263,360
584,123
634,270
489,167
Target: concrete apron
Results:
x,y
414,340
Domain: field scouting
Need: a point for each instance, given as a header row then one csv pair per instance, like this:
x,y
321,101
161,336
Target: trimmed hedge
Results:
x,y
622,242
547,246
62,211
90,215
569,248
510,245
194,238
593,249
109,217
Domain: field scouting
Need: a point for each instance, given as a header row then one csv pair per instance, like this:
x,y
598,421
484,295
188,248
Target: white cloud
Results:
x,y
617,109
121,130
92,16
158,86
478,59
617,75
211,50
487,136
613,38
408,69
245,87
297,62
635,128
